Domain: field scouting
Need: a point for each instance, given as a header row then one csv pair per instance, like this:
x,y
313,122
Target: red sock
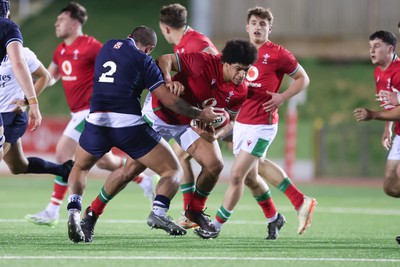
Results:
x,y
58,194
268,207
198,203
295,196
98,206
187,198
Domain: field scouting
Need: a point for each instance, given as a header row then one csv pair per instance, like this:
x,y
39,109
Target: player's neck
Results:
x,y
387,62
70,39
178,35
259,44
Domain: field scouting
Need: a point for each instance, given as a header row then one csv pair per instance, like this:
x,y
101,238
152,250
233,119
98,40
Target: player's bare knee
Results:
x,y
215,168
250,183
101,164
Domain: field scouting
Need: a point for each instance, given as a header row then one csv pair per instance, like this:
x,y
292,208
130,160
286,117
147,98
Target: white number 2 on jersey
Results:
x,y
107,76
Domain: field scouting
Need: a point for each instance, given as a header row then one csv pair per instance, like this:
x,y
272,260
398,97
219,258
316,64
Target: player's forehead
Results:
x,y
256,19
376,41
64,16
239,67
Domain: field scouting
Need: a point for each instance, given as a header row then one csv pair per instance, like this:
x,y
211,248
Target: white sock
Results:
x,y
53,209
217,224
159,211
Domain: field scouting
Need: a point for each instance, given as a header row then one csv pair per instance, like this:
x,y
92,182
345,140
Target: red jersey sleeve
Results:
x,y
192,64
288,63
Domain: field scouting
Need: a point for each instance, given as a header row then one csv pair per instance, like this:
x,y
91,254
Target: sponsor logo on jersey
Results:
x,y
252,75
211,102
67,69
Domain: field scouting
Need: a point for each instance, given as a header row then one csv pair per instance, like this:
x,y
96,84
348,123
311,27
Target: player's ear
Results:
x,y
149,49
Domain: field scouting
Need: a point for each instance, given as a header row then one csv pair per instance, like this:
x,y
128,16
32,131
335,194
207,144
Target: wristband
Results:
x,y
32,100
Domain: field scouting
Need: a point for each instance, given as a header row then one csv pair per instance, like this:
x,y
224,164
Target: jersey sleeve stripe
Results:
x,y
13,40
293,72
179,62
154,86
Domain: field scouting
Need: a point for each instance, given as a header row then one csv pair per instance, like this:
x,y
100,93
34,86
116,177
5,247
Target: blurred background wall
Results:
x,y
329,38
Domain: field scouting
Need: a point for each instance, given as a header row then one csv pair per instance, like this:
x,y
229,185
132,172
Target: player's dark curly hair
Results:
x,y
76,11
239,51
174,15
386,37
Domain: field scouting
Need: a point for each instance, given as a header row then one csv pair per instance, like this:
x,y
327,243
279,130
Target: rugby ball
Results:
x,y
218,123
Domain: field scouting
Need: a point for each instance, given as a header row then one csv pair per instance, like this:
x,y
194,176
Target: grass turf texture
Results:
x,y
352,226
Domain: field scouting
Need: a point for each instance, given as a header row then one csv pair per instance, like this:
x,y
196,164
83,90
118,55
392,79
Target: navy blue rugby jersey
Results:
x,y
121,74
9,32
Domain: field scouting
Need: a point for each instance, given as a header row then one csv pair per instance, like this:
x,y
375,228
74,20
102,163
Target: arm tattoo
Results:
x,y
182,107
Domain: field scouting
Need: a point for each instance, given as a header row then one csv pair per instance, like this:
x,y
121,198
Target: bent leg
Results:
x,y
391,182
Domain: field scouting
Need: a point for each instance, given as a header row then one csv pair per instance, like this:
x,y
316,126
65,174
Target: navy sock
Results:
x,y
162,201
38,165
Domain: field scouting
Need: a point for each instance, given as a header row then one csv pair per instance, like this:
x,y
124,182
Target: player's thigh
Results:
x,y
15,158
392,171
161,159
207,154
65,149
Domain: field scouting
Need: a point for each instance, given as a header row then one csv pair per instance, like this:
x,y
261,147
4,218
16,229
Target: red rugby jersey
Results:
x,y
202,76
76,65
385,80
266,75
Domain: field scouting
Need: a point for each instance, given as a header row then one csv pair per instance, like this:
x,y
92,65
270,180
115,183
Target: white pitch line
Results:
x,y
191,258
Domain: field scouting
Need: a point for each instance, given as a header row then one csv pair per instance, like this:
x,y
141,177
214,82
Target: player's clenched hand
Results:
x,y
387,98
205,130
35,118
362,114
274,103
207,115
175,87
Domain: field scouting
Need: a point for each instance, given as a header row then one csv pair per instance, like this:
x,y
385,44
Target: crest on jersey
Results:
x,y
252,74
117,45
76,52
265,61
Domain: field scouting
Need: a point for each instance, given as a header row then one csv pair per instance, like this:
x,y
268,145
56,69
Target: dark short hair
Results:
x,y
144,35
386,37
76,11
239,51
260,12
4,8
174,15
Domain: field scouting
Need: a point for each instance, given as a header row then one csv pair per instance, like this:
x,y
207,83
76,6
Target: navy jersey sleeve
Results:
x,y
9,32
153,75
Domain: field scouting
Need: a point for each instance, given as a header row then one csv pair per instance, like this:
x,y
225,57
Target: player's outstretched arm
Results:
x,y
363,114
180,106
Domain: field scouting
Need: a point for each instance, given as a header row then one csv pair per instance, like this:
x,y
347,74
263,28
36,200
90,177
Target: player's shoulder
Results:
x,y
276,48
8,24
28,53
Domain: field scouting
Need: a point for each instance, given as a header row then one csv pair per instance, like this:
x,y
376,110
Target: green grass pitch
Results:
x,y
352,226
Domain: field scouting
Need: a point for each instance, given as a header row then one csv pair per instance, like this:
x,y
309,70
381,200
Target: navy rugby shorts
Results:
x,y
136,141
15,125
